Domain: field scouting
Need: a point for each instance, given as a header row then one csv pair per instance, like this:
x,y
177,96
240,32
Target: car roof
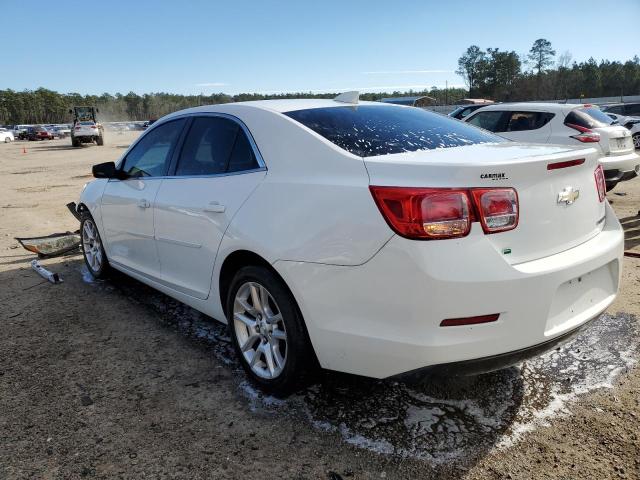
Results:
x,y
533,106
280,106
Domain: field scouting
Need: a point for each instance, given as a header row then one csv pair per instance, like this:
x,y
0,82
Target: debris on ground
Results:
x,y
44,273
52,245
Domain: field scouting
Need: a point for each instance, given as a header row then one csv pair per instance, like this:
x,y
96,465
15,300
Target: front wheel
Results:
x,y
268,331
94,255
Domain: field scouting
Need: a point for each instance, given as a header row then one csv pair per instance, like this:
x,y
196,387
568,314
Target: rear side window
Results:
x,y
588,117
215,145
370,130
492,120
632,109
522,121
150,156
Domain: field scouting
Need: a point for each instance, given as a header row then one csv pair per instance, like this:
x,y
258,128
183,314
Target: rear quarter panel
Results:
x,y
314,204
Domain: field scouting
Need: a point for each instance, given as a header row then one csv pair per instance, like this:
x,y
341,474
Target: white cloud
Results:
x,y
405,72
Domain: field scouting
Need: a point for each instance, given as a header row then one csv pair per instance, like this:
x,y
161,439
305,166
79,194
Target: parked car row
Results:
x,y
567,124
38,132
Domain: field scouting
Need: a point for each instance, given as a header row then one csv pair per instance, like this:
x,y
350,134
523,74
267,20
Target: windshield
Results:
x,y
369,130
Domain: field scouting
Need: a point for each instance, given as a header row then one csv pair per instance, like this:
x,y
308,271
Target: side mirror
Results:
x,y
107,170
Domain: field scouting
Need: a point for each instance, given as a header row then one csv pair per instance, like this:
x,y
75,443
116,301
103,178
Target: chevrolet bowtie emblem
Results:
x,y
568,195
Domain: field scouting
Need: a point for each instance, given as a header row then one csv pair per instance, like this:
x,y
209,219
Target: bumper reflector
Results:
x,y
456,322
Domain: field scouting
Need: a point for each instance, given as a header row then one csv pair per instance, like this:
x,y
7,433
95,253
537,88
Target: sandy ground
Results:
x,y
111,379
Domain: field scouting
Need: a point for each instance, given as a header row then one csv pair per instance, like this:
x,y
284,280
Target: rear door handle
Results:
x,y
143,203
214,207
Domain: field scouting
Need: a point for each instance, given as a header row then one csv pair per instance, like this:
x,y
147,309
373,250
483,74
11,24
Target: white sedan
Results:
x,y
631,123
6,136
368,238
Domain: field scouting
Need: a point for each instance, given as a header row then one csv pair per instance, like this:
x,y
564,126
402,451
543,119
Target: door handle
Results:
x,y
214,207
143,203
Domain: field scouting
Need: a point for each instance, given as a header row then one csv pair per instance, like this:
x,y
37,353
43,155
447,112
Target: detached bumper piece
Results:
x,y
44,273
51,245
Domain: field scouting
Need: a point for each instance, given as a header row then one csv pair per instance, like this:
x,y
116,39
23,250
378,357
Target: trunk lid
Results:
x,y
615,140
546,225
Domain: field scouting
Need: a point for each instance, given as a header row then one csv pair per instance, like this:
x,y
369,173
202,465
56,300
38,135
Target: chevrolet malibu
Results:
x,y
367,238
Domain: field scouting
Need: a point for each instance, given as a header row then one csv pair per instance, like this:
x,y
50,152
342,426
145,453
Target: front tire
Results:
x,y
268,331
93,252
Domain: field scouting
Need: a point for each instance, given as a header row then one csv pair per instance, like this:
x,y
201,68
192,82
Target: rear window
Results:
x,y
588,117
87,123
369,130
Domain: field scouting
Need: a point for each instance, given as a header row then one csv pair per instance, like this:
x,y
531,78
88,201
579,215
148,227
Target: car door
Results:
x,y
127,205
528,127
217,169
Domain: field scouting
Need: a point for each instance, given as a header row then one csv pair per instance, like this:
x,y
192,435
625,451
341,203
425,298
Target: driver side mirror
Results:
x,y
107,170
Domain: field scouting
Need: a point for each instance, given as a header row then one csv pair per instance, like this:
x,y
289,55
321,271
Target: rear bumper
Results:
x,y
618,166
491,363
382,318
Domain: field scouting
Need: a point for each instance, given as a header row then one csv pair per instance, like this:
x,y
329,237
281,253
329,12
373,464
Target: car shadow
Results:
x,y
631,226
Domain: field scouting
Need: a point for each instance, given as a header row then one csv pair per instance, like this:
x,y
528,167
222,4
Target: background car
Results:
x,y
631,123
61,131
6,135
627,109
565,124
38,133
465,110
324,233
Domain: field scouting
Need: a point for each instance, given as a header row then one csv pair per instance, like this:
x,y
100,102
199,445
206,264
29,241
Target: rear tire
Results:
x,y
75,142
100,140
636,141
95,258
268,332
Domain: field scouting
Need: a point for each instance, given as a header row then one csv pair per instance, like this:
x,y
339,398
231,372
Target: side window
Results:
x,y
487,120
215,145
151,155
208,146
242,157
521,121
632,109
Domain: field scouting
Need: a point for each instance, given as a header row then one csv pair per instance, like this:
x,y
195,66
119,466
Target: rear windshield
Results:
x,y
87,123
589,117
369,130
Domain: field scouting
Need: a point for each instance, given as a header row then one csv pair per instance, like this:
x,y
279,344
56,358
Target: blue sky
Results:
x,y
236,46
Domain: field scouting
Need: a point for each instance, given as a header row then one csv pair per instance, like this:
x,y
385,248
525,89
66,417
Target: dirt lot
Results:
x,y
113,380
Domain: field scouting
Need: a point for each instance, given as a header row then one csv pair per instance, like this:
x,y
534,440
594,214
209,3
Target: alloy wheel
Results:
x,y
91,245
260,330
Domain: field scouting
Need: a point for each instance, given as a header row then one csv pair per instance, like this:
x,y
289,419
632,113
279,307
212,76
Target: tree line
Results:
x,y
44,106
540,75
491,73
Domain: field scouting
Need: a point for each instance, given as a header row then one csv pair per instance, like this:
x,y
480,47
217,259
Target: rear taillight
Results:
x,y
78,127
498,208
600,183
439,213
586,134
